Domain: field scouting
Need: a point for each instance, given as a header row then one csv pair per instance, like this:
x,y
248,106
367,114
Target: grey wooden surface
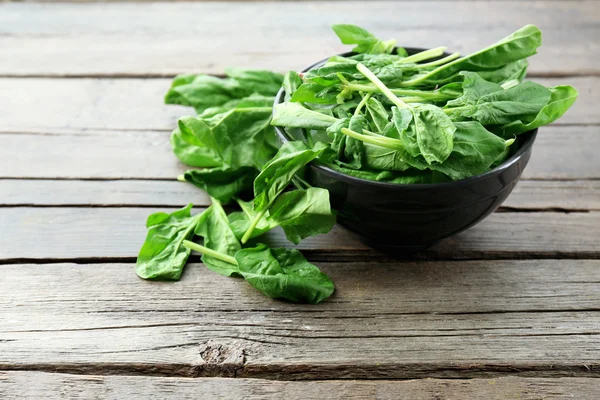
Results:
x,y
120,387
507,309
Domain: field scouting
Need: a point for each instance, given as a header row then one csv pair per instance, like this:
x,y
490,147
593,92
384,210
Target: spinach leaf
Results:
x,y
377,114
294,115
283,273
350,151
257,81
222,183
163,255
204,92
240,221
514,70
193,154
214,227
365,41
475,150
238,136
277,175
490,104
291,83
561,98
302,213
315,93
517,46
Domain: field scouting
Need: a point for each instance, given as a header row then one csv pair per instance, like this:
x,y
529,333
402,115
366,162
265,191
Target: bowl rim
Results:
x,y
525,147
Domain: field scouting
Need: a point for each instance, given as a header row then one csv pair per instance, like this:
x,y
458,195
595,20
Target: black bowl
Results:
x,y
396,217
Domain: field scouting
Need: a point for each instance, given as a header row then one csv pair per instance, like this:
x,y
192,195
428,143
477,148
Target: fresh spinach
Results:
x,y
379,114
218,236
277,175
163,255
283,273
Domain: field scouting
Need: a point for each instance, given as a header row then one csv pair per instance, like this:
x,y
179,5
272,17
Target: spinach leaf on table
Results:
x,y
193,154
204,91
238,136
262,82
163,255
214,227
300,213
283,274
222,183
277,175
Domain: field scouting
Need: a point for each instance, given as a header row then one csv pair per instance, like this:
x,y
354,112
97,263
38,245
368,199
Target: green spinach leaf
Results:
x,y
365,41
222,183
163,255
283,274
214,227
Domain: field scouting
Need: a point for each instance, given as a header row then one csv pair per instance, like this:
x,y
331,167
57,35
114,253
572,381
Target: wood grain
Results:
x,y
117,233
528,195
83,105
104,387
165,39
401,320
560,152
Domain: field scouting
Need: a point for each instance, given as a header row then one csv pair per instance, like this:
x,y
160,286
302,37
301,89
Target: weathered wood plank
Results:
x,y
551,195
113,193
84,233
80,105
560,152
528,195
103,387
403,320
37,38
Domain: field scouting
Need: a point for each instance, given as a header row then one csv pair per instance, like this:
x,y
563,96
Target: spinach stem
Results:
x,y
252,226
423,94
441,61
508,84
384,89
424,55
362,103
378,140
300,183
209,252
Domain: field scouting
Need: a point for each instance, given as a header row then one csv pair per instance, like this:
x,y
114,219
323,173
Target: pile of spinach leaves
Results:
x,y
231,145
380,114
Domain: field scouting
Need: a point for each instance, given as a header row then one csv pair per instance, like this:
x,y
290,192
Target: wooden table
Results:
x,y
508,309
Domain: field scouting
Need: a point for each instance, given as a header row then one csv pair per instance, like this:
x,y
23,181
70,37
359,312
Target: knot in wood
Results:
x,y
217,353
